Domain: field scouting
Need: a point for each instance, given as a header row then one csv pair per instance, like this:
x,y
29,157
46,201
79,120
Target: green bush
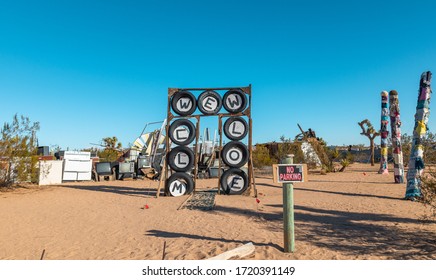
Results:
x,y
18,152
287,147
428,190
261,157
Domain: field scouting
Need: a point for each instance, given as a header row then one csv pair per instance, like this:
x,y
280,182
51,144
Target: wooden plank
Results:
x,y
240,252
275,173
305,173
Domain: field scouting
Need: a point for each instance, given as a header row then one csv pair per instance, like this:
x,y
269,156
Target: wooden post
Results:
x,y
288,211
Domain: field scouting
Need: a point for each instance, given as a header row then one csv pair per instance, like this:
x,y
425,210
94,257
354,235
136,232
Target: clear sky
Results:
x,y
91,69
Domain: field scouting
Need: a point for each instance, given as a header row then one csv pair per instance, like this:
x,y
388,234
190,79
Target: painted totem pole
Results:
x,y
416,163
394,109
384,134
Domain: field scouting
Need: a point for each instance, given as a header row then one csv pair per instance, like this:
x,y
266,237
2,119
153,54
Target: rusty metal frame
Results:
x,y
247,113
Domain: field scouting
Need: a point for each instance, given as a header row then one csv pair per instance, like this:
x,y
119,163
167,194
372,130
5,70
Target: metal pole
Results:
x,y
288,211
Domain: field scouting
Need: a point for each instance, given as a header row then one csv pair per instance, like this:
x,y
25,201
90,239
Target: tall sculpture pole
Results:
x,y
416,163
394,109
384,134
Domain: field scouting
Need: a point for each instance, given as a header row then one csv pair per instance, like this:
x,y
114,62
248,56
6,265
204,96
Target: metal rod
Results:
x,y
288,211
252,183
220,131
164,249
218,88
220,114
197,136
164,176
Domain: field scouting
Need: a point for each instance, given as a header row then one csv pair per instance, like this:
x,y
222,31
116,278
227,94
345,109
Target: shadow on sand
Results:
x,y
359,235
351,182
131,191
166,234
349,194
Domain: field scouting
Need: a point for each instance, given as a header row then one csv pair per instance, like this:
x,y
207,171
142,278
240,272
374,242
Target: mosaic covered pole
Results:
x,y
416,163
384,133
394,108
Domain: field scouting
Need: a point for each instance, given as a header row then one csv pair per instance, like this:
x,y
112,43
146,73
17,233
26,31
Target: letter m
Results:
x,y
177,187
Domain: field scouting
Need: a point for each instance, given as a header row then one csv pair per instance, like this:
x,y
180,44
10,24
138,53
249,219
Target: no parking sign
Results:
x,y
289,173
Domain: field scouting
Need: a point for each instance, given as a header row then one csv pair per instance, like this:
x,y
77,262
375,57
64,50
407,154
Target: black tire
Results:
x,y
183,103
234,154
235,128
178,139
234,181
209,102
179,164
179,184
235,101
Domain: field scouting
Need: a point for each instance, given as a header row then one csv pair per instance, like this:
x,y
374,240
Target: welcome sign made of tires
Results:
x,y
185,109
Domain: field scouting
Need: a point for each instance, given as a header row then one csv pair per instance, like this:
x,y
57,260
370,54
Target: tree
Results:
x,y
261,157
429,145
112,150
369,131
18,151
406,142
285,147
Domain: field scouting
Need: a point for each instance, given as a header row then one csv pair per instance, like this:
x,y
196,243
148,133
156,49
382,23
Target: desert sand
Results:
x,y
357,214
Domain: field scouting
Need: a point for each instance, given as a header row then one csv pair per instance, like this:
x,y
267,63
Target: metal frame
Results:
x,y
247,113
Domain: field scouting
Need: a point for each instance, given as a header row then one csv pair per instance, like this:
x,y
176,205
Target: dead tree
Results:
x,y
371,133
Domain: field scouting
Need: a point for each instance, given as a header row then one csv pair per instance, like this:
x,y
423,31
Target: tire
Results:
x,y
209,102
176,129
235,101
179,184
183,103
234,154
181,159
235,128
234,181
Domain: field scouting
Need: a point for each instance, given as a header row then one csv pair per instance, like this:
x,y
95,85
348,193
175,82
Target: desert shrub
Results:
x,y
287,147
261,157
428,190
429,144
406,142
344,163
18,151
349,156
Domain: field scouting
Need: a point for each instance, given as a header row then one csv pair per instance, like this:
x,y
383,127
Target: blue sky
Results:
x,y
91,69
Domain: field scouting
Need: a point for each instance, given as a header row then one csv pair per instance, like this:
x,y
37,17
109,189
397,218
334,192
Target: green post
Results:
x,y
288,211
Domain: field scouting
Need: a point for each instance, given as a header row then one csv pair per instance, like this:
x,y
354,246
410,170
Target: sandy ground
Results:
x,y
357,214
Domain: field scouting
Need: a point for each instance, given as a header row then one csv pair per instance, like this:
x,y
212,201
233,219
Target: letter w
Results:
x,y
233,102
185,103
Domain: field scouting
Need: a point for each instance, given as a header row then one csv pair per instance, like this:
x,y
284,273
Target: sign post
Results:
x,y
287,173
288,211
